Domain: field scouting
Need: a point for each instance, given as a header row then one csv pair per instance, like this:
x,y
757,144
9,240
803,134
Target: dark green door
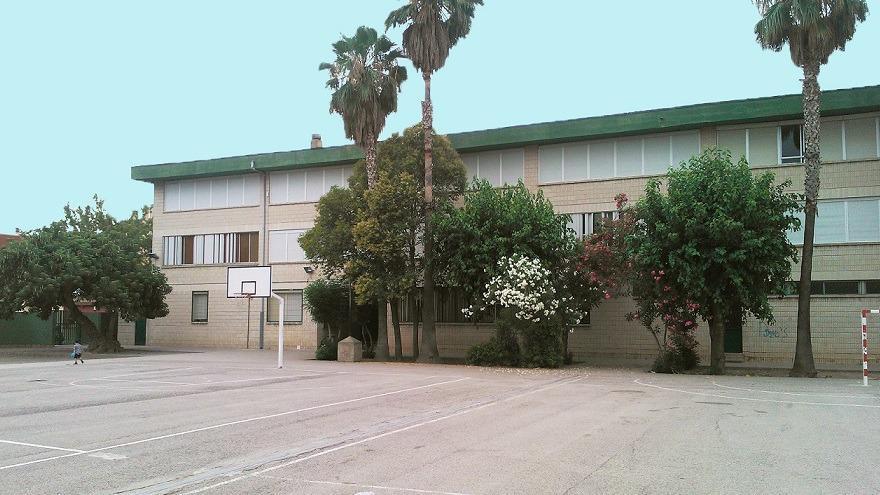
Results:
x,y
140,332
733,333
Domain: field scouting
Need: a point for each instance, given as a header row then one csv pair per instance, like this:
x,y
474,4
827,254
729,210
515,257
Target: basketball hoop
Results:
x,y
250,282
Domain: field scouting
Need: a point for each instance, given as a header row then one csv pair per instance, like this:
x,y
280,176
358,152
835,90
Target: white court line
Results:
x,y
280,377
328,371
381,435
138,373
232,423
839,396
358,485
703,394
47,447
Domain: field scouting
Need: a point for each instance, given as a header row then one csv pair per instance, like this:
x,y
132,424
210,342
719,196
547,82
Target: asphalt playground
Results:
x,y
230,422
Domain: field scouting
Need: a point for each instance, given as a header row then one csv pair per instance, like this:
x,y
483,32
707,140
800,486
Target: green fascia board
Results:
x,y
786,107
267,162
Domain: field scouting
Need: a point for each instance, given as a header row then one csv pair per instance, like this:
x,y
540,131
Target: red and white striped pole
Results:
x,y
865,313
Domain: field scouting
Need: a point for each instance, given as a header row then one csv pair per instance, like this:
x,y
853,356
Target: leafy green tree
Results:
x,y
495,225
719,237
433,27
670,319
327,301
387,235
331,243
87,257
813,30
365,79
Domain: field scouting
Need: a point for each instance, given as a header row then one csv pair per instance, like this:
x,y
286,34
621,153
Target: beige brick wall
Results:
x,y
125,335
227,318
836,328
608,336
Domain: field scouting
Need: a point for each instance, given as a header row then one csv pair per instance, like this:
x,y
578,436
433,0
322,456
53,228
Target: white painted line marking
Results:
x,y
139,373
381,435
720,396
232,423
47,447
839,396
358,485
280,377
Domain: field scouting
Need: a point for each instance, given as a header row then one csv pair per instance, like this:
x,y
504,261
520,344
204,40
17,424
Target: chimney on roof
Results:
x,y
316,141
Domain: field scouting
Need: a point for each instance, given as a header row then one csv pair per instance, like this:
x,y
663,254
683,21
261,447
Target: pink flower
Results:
x,y
607,296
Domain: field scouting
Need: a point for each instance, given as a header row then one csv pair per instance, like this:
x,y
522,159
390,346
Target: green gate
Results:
x,y
140,332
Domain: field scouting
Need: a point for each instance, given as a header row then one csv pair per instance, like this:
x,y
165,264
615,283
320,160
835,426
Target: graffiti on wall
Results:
x,y
774,332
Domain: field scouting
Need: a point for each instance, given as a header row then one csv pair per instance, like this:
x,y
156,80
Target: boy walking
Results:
x,y
77,352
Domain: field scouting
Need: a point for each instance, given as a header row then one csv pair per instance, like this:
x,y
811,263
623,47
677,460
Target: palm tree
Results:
x,y
813,30
365,79
433,27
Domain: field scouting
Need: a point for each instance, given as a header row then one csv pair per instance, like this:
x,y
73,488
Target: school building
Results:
x,y
251,210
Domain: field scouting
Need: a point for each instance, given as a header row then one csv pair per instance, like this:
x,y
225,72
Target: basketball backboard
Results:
x,y
248,281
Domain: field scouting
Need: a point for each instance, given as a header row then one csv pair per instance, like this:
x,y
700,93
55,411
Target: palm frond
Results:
x,y
432,28
813,29
365,79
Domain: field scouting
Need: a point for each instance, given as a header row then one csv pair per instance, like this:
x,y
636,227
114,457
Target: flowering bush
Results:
x,y
536,303
524,285
677,316
610,266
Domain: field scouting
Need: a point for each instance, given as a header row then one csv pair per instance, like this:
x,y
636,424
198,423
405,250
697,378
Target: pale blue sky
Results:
x,y
90,88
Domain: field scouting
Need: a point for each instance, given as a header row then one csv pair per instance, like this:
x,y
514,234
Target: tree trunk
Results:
x,y
102,340
370,161
716,337
324,333
395,323
382,337
803,356
565,332
417,318
429,352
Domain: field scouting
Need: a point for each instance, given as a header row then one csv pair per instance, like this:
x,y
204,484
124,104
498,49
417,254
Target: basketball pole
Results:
x,y
280,329
247,343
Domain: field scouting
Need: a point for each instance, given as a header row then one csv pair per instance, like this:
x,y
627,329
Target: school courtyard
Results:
x,y
225,421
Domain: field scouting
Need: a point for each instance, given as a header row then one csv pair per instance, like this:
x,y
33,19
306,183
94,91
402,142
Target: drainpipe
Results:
x,y
263,256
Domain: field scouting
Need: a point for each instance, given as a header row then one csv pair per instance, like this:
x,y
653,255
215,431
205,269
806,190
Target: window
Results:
x,y
841,287
586,224
836,287
302,186
843,221
448,303
861,138
199,307
284,246
623,157
217,192
211,249
791,138
499,168
293,307
840,139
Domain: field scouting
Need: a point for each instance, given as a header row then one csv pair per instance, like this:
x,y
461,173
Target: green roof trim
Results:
x,y
836,102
